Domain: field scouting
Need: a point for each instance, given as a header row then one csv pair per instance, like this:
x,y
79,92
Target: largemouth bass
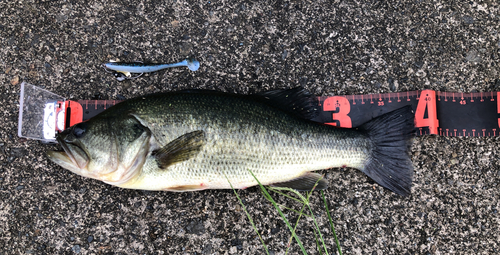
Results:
x,y
195,140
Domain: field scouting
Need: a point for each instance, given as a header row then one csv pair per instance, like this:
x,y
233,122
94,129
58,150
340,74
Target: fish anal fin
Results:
x,y
181,149
306,182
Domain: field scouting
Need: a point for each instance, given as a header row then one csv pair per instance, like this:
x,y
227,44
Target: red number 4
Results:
x,y
427,103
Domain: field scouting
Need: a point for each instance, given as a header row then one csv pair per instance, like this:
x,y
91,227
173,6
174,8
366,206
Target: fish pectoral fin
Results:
x,y
305,182
182,148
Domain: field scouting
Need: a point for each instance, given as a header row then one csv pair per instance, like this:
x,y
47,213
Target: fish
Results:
x,y
199,139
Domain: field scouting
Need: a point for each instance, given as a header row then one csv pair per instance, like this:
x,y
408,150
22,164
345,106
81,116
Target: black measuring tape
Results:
x,y
437,113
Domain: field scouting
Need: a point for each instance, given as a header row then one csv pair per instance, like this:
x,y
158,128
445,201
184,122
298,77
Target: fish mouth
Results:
x,y
73,158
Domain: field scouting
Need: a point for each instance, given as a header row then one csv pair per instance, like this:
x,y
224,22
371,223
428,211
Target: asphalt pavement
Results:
x,y
329,47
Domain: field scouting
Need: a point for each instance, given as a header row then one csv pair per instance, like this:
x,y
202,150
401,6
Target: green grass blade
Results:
x,y
278,189
295,227
293,210
285,195
248,216
281,214
317,227
317,243
331,223
305,201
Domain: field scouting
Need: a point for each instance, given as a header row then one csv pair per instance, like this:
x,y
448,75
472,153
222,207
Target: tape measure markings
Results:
x,y
439,113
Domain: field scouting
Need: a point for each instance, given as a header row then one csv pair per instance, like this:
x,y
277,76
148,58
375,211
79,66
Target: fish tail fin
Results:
x,y
389,163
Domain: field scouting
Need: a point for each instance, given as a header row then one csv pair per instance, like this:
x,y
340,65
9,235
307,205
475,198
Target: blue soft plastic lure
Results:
x,y
126,69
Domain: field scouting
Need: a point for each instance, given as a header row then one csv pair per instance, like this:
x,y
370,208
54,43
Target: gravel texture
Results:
x,y
329,47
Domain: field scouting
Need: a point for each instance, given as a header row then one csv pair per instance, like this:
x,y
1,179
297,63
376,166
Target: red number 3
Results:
x,y
340,107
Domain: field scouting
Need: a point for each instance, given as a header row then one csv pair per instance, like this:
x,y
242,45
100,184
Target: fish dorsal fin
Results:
x,y
306,182
297,101
182,148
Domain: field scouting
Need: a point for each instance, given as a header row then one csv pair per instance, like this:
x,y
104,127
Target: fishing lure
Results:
x,y
124,71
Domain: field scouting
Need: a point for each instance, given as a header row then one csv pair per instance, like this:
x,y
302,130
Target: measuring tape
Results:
x,y
437,113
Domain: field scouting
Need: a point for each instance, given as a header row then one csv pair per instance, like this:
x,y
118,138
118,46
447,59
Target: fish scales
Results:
x,y
241,136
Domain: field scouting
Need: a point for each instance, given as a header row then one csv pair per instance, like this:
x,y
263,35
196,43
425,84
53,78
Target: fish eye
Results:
x,y
79,130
